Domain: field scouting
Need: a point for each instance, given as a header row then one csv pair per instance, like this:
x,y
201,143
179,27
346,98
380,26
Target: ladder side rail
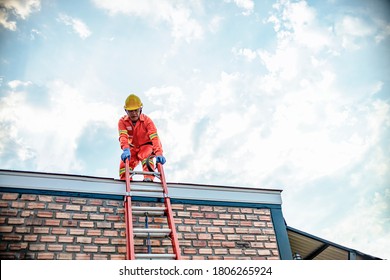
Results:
x,y
130,255
171,221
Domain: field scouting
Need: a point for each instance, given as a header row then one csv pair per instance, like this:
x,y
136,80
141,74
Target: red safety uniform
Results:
x,y
142,140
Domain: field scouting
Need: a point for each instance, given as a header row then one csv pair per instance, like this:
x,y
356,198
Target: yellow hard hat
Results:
x,y
132,102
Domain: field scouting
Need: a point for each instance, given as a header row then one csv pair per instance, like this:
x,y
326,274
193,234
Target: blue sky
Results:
x,y
292,95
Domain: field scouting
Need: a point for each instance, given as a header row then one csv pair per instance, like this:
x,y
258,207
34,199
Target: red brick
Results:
x,y
72,248
106,210
77,231
89,209
37,247
113,218
79,201
18,246
52,222
103,225
45,198
87,224
48,238
62,215
90,248
72,207
204,236
219,236
30,238
4,204
195,215
96,202
55,247
107,249
199,229
64,256
55,206
199,243
205,251
96,217
94,232
83,256
22,229
41,230
80,216
26,214
59,231
110,233
190,251
66,239
35,205
18,204
220,251
45,214
69,223
264,252
80,239
28,197
103,257
101,240
45,256
10,196
11,237
16,221
62,199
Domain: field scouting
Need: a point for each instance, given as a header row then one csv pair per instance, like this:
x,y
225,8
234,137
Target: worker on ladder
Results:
x,y
138,139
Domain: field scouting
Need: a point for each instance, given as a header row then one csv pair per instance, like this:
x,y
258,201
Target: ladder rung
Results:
x,y
145,173
150,211
152,232
146,189
148,208
155,256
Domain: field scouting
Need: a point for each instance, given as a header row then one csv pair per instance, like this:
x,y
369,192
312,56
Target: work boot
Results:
x,y
148,180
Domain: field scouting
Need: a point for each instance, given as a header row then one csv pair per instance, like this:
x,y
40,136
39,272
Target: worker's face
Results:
x,y
134,114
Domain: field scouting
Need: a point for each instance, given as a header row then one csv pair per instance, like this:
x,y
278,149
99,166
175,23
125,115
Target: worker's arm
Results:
x,y
123,135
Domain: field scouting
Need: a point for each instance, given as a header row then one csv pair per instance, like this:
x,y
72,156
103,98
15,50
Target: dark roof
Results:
x,y
311,247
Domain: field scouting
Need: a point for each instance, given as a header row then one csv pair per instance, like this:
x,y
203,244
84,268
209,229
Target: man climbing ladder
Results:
x,y
138,139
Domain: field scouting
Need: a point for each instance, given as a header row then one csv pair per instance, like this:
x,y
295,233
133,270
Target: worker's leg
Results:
x,y
143,154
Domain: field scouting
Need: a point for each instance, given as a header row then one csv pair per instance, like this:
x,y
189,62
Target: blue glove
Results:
x,y
160,159
125,155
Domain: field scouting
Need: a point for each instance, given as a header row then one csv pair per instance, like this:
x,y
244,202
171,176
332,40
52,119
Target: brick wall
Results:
x,y
58,227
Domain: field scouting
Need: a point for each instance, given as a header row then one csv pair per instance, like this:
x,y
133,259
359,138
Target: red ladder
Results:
x,y
131,232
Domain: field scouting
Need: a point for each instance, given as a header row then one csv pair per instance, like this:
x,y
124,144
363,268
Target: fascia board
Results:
x,y
106,186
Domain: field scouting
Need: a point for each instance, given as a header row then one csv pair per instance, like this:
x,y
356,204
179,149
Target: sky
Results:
x,y
274,94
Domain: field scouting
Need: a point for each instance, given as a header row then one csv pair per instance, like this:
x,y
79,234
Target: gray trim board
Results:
x,y
83,185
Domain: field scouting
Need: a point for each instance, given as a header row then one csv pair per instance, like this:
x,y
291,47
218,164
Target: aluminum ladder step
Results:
x,y
149,211
155,256
152,232
146,188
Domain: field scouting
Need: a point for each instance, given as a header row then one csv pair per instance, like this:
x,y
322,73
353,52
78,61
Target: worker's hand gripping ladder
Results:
x,y
150,211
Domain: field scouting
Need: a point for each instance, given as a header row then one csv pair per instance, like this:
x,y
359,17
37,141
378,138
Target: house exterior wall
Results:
x,y
58,227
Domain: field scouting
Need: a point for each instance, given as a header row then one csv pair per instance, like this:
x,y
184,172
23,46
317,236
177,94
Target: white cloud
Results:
x,y
245,52
49,135
178,16
78,26
297,23
215,23
246,5
20,8
16,83
350,29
